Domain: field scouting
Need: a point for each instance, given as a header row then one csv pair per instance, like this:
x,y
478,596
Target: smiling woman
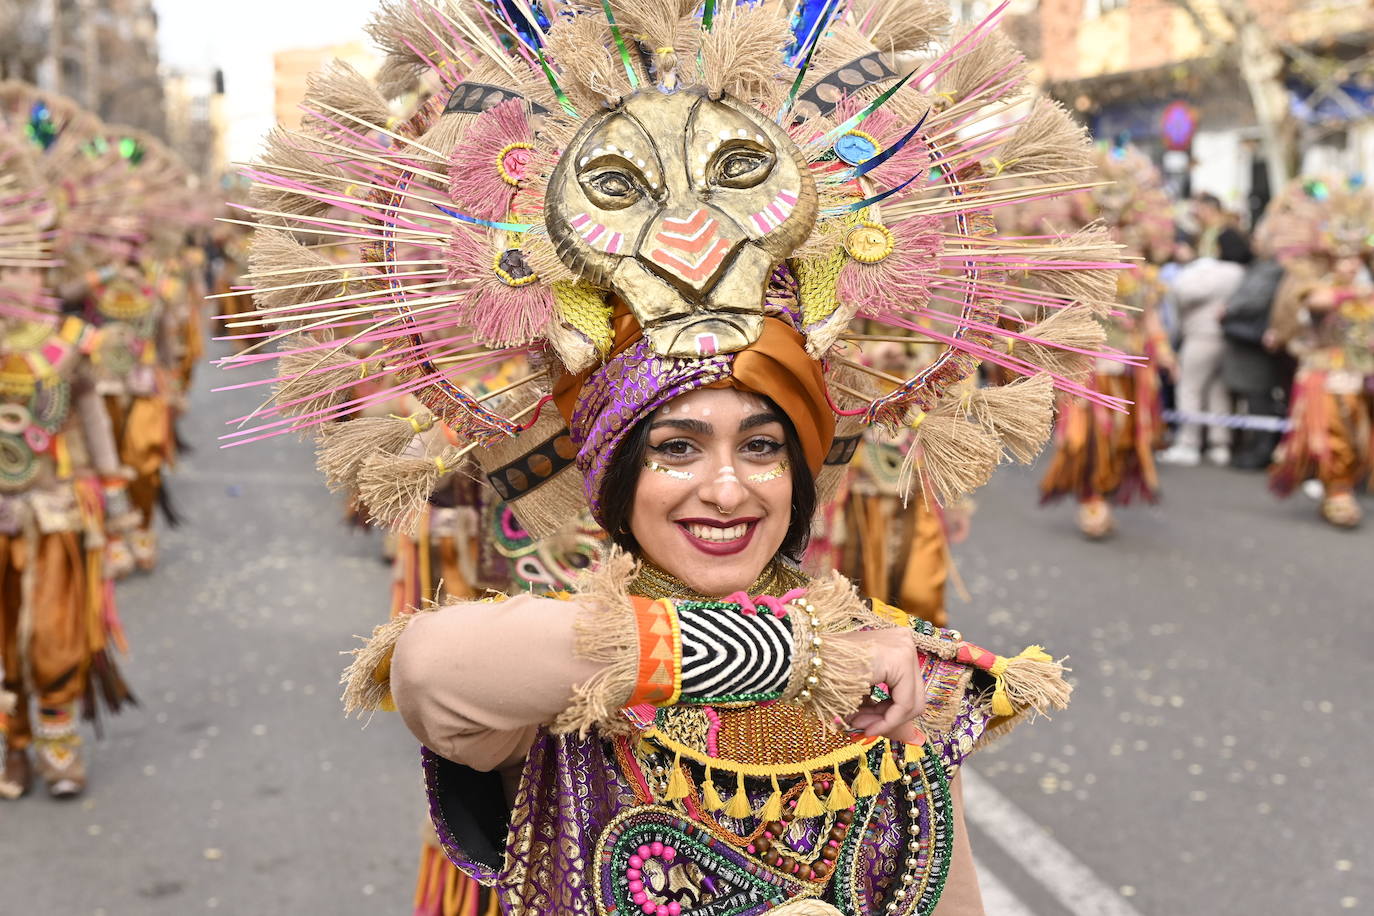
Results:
x,y
717,206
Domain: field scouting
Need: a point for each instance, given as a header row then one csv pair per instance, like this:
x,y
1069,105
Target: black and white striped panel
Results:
x,y
727,653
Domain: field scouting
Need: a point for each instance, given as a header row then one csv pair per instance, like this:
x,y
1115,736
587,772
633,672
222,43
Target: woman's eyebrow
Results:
x,y
757,420
687,424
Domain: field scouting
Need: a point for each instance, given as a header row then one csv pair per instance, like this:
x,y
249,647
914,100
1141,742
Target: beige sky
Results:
x,y
240,36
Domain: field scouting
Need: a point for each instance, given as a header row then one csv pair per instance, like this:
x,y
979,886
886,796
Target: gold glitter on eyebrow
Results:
x,y
772,474
671,472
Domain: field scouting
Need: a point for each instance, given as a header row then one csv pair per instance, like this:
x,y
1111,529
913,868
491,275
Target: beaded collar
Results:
x,y
777,578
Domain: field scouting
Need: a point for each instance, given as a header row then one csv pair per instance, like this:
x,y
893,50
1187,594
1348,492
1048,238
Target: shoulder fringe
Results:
x,y
367,679
844,675
604,632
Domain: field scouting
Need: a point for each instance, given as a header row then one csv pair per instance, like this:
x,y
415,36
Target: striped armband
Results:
x,y
709,651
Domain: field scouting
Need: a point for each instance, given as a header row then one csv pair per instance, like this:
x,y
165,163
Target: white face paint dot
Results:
x,y
758,138
640,162
725,135
584,160
712,147
743,133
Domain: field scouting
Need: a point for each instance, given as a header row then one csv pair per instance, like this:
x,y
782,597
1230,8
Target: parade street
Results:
x,y
1211,761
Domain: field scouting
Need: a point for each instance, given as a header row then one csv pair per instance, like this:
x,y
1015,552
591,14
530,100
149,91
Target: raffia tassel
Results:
x,y
1050,143
318,378
710,796
950,454
739,55
1029,680
976,66
294,151
1020,414
596,77
367,679
1075,327
604,632
399,30
866,785
345,446
772,809
339,85
840,798
887,770
900,25
395,489
677,783
739,807
809,805
273,251
1094,287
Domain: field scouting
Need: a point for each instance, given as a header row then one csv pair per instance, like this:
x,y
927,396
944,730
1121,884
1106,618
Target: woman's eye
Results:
x,y
761,448
743,168
673,448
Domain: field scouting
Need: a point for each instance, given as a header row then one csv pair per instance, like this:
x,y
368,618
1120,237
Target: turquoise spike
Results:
x,y
620,43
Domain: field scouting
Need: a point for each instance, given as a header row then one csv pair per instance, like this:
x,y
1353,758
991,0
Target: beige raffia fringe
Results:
x,y
1020,414
900,25
1094,288
1068,327
605,632
806,908
951,454
273,251
395,489
318,379
366,680
739,55
1049,143
287,152
846,669
339,85
1031,680
976,68
344,447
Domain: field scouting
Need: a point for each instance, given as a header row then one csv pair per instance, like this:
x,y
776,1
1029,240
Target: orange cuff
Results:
x,y
658,680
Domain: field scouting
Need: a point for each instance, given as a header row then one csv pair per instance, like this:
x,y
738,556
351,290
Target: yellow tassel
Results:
x,y
677,783
772,809
739,805
866,785
1001,705
888,771
840,798
809,805
913,752
709,796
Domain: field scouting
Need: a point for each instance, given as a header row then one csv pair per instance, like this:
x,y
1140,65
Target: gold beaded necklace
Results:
x,y
653,581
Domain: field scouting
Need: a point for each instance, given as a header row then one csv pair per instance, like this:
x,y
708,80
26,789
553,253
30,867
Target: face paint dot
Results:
x,y
725,135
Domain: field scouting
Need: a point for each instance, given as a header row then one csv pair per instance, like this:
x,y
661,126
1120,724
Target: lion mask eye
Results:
x,y
611,189
742,167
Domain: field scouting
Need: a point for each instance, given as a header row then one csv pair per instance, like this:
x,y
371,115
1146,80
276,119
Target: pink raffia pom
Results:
x,y
499,313
902,280
492,153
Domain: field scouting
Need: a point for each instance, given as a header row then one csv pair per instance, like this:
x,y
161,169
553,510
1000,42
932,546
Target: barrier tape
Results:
x,y
1231,420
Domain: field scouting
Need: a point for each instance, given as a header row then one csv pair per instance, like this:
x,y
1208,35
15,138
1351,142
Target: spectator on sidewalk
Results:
x,y
1200,290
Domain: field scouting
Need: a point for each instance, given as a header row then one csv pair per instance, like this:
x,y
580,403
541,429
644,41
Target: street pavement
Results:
x,y
1211,762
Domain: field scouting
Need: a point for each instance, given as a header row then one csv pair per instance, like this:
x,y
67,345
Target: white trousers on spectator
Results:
x,y
1200,388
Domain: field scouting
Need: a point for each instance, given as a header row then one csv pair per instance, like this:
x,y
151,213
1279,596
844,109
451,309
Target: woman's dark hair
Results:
x,y
618,488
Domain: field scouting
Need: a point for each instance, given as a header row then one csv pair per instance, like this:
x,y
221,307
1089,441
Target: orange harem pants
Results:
x,y
1332,439
899,552
57,653
143,434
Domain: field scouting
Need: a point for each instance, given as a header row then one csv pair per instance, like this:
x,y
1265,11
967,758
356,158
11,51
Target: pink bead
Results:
x,y
751,848
636,862
633,874
656,848
661,910
669,853
640,898
644,851
636,886
835,843
674,909
649,908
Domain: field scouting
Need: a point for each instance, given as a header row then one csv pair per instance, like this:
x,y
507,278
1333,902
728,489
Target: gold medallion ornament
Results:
x,y
868,243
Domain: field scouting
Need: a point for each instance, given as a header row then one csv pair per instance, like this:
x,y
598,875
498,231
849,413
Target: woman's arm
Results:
x,y
474,680
961,896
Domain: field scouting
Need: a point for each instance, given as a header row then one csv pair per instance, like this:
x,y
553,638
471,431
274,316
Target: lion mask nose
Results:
x,y
691,249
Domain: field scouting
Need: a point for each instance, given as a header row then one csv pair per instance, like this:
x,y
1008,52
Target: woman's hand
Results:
x,y
894,663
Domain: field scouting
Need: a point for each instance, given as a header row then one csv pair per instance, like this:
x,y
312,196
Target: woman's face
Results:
x,y
714,498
